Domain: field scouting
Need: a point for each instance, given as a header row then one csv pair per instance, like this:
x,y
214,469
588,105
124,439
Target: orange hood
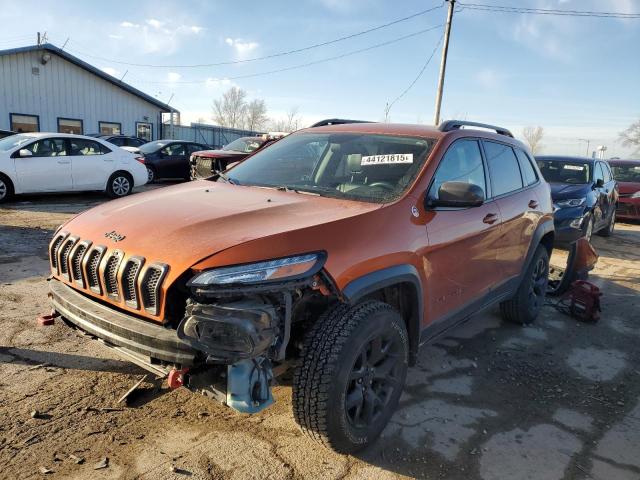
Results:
x,y
183,224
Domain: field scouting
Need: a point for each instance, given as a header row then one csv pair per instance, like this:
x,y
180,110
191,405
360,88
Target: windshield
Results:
x,y
626,173
13,141
246,145
153,146
365,167
555,171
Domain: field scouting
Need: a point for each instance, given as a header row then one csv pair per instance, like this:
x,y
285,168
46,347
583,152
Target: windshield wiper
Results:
x,y
223,176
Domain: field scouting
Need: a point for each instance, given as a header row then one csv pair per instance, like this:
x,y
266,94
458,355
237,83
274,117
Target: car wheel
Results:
x,y
588,230
6,188
151,175
120,185
608,230
353,369
525,305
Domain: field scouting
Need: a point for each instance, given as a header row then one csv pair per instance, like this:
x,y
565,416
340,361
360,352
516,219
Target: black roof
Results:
x,y
90,68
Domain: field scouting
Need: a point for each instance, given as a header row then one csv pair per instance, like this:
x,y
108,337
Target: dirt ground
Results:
x,y
559,400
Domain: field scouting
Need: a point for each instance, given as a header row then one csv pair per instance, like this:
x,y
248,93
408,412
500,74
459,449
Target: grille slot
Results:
x,y
130,274
53,251
92,266
76,262
110,275
63,256
150,287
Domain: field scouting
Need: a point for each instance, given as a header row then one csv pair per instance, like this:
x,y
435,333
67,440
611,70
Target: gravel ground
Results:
x,y
559,400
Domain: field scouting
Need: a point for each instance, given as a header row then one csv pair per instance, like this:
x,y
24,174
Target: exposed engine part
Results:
x,y
581,302
230,332
581,260
249,385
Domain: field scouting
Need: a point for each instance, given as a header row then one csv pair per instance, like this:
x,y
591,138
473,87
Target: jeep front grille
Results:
x,y
108,272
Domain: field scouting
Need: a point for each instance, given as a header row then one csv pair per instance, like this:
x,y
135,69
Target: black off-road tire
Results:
x,y
329,374
115,185
6,188
608,230
525,305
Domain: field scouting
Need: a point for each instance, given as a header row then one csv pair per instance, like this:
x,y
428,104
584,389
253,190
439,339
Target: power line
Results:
x,y
415,80
545,11
273,55
302,65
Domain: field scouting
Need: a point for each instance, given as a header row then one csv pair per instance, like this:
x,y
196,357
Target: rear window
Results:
x,y
528,172
503,168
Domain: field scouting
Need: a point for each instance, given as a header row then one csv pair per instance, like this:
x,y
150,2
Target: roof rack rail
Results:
x,y
449,125
336,121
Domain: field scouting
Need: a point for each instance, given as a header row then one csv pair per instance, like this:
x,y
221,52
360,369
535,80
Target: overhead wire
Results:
x,y
544,11
299,66
265,57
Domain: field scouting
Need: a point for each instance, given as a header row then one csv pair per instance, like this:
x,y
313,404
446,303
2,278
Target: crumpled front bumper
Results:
x,y
154,343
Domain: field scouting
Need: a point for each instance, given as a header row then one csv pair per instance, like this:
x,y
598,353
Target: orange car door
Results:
x,y
460,258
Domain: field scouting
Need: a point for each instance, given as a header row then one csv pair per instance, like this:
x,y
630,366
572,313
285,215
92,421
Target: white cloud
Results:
x,y
111,71
173,76
116,37
196,29
127,24
242,47
155,23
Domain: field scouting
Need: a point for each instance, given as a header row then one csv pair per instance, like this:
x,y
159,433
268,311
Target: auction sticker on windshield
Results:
x,y
573,167
388,159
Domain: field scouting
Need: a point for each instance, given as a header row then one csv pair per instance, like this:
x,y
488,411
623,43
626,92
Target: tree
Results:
x,y
231,109
256,116
631,137
533,136
289,123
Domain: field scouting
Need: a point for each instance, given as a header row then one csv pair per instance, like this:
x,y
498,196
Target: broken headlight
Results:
x,y
288,268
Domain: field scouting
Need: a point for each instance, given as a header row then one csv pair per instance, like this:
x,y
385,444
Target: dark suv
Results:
x,y
335,252
585,196
168,158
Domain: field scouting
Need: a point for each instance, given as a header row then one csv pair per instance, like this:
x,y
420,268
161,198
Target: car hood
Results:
x,y
219,153
560,191
183,224
628,187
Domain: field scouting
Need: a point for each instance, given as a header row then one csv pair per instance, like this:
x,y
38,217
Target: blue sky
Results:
x,y
579,78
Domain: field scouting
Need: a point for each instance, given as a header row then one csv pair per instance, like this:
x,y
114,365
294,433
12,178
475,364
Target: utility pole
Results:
x,y
588,143
443,62
38,38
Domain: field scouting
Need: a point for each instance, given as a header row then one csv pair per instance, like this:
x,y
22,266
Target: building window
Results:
x,y
69,125
24,123
109,128
144,130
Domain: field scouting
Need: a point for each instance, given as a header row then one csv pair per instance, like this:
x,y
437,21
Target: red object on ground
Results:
x,y
176,378
46,320
584,300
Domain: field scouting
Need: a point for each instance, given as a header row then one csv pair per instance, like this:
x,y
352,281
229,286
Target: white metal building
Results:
x,y
44,88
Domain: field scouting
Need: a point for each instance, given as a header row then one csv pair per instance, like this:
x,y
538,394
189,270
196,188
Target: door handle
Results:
x,y
62,162
490,218
533,204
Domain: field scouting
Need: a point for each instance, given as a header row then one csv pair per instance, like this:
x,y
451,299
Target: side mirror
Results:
x,y
25,153
599,183
457,194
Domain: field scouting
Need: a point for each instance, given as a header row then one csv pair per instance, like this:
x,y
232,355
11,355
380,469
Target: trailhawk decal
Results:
x,y
387,159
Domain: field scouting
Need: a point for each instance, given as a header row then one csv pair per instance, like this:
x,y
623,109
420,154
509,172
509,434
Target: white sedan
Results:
x,y
59,162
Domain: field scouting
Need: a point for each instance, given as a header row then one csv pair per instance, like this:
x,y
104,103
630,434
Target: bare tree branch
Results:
x,y
631,137
533,136
231,109
256,116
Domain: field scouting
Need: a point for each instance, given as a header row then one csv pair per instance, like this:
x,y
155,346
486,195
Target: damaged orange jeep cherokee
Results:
x,y
336,252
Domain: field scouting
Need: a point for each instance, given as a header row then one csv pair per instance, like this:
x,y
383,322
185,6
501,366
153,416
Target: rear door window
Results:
x,y
461,163
528,172
82,147
503,168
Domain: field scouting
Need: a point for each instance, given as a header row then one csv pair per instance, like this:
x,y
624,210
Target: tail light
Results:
x,y
140,159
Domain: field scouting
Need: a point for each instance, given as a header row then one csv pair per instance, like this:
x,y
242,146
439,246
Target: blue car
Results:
x,y
584,194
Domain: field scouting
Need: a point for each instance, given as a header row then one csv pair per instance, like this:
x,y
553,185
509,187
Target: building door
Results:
x,y
144,130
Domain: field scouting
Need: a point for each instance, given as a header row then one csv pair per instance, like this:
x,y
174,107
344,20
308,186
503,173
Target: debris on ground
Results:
x,y
104,463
